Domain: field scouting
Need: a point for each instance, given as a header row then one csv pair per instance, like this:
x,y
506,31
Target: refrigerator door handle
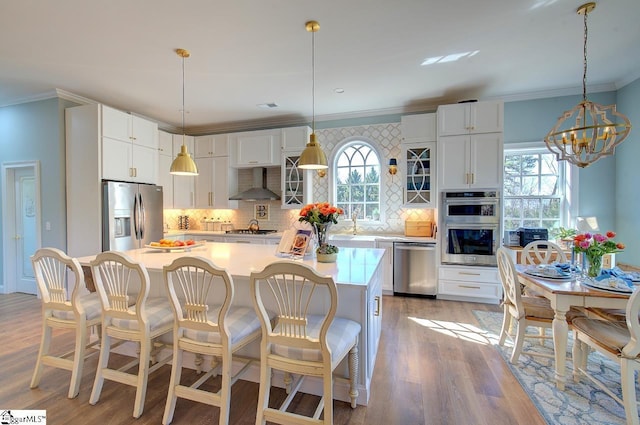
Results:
x,y
136,219
142,218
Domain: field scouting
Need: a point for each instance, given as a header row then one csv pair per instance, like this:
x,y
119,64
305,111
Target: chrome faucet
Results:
x,y
354,217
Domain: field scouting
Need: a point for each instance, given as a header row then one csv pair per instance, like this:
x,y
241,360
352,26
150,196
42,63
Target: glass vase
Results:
x,y
593,265
321,233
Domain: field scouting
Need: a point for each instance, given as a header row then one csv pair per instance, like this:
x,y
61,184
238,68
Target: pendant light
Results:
x,y
312,156
589,131
183,165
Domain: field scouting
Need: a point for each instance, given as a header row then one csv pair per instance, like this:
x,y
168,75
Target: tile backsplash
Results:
x,y
386,137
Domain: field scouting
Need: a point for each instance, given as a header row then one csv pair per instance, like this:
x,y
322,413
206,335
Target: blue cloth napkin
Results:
x,y
617,273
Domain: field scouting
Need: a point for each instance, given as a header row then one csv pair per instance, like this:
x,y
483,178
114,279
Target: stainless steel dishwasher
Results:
x,y
414,268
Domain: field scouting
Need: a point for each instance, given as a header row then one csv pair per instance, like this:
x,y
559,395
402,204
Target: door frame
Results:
x,y
9,253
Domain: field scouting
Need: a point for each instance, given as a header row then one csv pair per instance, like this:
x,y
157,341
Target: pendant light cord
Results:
x,y
584,74
183,142
313,82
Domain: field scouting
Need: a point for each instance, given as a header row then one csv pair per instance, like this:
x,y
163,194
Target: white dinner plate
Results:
x,y
547,272
617,285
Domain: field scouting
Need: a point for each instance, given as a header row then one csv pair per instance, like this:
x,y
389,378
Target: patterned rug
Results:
x,y
580,403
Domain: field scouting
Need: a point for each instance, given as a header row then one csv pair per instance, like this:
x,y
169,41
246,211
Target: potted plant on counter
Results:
x,y
321,216
564,236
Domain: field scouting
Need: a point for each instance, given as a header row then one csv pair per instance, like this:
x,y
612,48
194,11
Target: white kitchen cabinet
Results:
x,y
208,238
467,283
97,142
165,180
472,117
387,266
418,128
183,192
240,239
374,321
212,183
211,145
255,149
297,184
470,161
183,186
129,147
352,243
418,169
165,143
295,138
128,162
123,126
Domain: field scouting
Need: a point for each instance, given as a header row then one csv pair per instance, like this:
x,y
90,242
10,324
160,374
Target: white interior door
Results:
x,y
21,225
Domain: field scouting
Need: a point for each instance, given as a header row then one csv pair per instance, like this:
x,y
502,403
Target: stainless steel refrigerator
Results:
x,y
131,215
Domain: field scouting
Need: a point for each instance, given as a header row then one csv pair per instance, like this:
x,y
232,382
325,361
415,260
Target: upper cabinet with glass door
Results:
x,y
296,182
418,162
419,173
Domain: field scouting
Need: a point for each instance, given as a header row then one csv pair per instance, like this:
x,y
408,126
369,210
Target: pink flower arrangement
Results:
x,y
594,247
597,244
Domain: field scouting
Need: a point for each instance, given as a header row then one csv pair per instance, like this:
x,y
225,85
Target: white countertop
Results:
x,y
391,237
354,266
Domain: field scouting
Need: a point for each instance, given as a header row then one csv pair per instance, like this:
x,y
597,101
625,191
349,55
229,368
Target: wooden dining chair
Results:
x,y
525,310
302,342
619,341
128,314
206,323
80,313
542,252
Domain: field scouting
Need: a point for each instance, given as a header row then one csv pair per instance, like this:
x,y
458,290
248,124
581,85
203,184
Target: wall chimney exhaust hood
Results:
x,y
259,191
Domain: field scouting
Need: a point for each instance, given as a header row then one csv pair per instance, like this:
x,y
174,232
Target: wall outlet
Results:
x,y
47,226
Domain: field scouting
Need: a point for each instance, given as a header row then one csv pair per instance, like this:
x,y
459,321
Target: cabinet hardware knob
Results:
x,y
377,311
469,273
468,287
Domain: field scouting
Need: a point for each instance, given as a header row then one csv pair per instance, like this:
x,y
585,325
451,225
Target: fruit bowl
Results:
x,y
170,245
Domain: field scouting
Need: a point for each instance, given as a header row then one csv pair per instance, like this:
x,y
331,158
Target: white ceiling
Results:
x,y
249,52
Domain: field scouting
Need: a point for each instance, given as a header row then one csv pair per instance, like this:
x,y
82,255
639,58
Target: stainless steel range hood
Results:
x,y
259,191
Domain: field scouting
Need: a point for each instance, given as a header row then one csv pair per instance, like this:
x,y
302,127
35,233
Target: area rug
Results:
x,y
579,403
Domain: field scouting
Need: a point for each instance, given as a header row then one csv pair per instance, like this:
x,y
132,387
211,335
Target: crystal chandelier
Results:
x,y
589,131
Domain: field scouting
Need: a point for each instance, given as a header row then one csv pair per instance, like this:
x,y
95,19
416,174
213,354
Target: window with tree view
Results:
x,y
357,181
534,189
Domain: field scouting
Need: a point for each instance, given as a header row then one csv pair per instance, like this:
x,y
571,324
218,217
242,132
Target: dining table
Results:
x,y
563,294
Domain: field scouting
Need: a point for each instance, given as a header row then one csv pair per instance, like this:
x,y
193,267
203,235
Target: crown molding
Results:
x,y
63,94
542,94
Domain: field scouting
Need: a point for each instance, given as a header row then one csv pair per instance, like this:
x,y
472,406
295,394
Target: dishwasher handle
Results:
x,y
415,247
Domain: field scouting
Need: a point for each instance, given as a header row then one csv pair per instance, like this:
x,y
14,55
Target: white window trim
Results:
x,y
333,196
570,213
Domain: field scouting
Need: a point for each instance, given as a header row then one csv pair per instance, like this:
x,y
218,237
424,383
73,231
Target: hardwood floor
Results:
x,y
425,374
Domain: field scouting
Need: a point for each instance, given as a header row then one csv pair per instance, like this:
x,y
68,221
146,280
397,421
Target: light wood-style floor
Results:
x,y
424,374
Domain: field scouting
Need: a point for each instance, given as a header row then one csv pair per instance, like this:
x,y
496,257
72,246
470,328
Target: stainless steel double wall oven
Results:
x,y
471,227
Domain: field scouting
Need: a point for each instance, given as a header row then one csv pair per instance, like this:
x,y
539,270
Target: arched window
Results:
x,y
357,180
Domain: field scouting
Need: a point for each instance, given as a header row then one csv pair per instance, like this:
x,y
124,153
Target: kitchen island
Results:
x,y
357,273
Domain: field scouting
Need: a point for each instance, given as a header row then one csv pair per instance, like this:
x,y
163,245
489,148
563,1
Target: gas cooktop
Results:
x,y
250,232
